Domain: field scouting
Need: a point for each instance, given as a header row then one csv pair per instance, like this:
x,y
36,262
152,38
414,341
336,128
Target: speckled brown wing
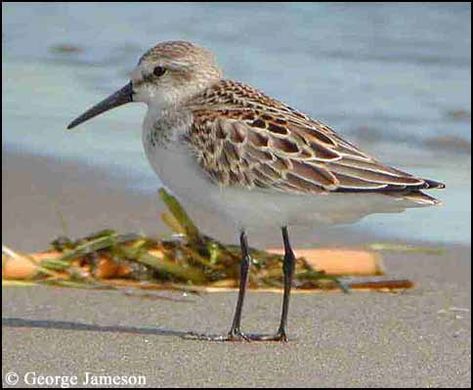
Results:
x,y
242,137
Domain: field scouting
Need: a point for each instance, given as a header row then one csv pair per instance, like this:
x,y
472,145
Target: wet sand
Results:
x,y
43,198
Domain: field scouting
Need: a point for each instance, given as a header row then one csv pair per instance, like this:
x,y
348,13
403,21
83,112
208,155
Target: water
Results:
x,y
394,78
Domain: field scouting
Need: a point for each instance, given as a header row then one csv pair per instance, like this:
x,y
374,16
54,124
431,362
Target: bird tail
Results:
x,y
432,184
420,197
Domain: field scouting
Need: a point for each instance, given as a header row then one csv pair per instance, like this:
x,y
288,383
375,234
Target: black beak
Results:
x,y
122,96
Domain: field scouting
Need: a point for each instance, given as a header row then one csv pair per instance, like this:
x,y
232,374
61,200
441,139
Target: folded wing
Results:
x,y
244,138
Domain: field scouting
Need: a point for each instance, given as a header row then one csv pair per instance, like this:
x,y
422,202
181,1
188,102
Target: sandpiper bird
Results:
x,y
225,147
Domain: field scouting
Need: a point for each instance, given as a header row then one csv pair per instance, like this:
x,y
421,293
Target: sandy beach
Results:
x,y
420,338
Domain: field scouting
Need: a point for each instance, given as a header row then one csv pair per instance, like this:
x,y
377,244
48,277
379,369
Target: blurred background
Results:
x,y
393,78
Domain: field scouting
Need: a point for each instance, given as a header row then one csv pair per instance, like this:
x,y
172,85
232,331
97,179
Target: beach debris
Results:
x,y
449,143
455,310
66,48
187,260
392,247
459,114
459,309
340,261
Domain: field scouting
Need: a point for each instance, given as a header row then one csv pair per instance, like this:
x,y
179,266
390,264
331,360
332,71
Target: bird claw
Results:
x,y
237,335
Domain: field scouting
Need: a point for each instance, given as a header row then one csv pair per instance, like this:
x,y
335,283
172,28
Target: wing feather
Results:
x,y
242,137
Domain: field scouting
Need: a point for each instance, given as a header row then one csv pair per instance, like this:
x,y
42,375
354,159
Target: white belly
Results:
x,y
256,209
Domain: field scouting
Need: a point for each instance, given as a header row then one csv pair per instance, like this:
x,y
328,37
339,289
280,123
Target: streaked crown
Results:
x,y
172,71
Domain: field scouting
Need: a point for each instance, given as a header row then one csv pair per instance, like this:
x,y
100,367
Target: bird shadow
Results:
x,y
78,326
13,322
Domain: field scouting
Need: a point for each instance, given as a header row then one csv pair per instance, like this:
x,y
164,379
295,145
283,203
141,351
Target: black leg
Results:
x,y
235,331
288,269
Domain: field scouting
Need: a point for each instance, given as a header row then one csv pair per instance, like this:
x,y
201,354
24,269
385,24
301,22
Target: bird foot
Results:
x,y
236,336
279,336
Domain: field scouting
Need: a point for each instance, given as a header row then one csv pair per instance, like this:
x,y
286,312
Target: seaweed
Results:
x,y
185,258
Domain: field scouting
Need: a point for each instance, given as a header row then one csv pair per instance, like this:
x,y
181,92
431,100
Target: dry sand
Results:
x,y
420,338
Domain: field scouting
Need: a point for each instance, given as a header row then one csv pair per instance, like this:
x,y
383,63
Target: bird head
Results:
x,y
166,75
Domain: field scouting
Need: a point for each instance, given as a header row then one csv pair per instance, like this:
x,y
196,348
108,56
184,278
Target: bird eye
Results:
x,y
159,71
